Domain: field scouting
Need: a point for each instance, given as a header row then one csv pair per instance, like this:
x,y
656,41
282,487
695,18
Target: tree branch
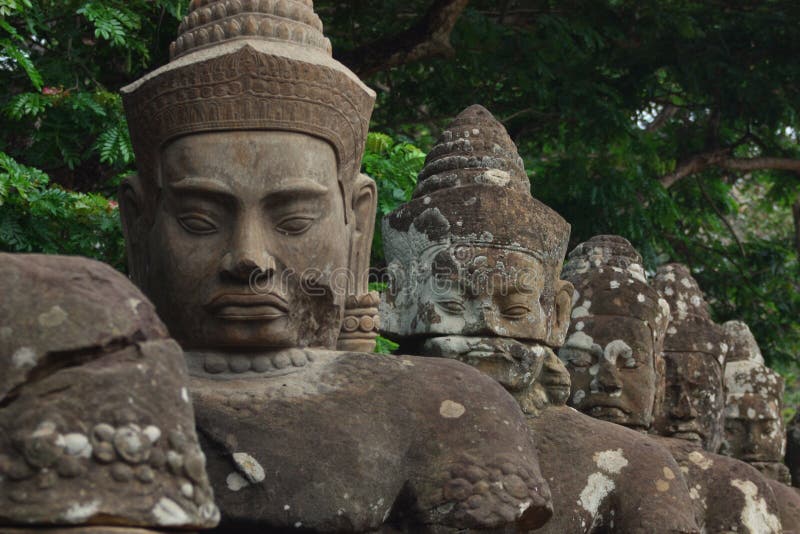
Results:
x,y
430,37
722,159
722,217
662,118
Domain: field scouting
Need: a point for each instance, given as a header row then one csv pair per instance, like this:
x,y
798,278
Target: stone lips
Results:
x,y
96,425
474,149
245,85
210,21
468,215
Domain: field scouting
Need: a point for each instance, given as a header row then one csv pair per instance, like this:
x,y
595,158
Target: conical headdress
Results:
x,y
474,149
250,65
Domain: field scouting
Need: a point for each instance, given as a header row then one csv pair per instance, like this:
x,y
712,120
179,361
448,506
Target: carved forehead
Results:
x,y
267,158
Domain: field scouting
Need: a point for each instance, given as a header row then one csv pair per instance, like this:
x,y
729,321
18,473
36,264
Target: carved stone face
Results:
x,y
612,365
248,238
694,399
754,430
476,291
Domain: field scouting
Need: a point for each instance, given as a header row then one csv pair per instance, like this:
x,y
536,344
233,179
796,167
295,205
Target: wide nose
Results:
x,y
608,377
249,254
683,409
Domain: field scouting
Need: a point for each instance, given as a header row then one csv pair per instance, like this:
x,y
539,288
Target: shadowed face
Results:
x,y
611,363
248,237
754,430
693,399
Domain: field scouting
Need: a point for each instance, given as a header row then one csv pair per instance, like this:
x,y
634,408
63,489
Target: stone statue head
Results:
x,y
474,259
96,423
613,349
248,224
695,349
754,429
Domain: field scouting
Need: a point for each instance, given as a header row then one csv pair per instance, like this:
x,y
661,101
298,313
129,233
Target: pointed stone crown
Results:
x,y
609,280
474,149
676,284
213,21
474,191
249,65
604,251
741,343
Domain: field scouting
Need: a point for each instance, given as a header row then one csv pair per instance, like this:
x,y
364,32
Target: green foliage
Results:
x,y
579,84
35,217
394,166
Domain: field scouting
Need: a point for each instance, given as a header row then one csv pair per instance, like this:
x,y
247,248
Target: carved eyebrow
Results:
x,y
297,187
197,184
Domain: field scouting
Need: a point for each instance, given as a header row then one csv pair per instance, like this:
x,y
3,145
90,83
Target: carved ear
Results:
x,y
364,204
134,226
561,312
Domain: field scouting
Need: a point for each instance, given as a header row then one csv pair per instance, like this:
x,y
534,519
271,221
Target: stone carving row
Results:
x,y
588,400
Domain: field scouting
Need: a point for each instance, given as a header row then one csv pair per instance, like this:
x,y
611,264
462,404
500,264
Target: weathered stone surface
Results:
x,y
695,351
607,478
474,149
460,253
355,441
787,499
728,495
255,106
613,349
754,428
91,388
298,437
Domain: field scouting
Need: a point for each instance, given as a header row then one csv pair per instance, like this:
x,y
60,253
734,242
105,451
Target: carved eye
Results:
x,y
197,223
452,306
516,311
295,225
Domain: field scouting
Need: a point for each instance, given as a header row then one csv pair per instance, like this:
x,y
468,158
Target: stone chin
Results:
x,y
515,364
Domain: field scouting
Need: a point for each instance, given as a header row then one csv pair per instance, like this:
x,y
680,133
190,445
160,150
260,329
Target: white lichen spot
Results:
x,y
286,507
755,514
80,512
153,433
700,460
578,397
598,487
249,466
236,482
168,513
580,326
24,357
751,413
298,524
614,284
668,291
134,304
76,444
668,473
662,485
610,461
693,494
185,395
55,317
640,297
579,311
451,410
